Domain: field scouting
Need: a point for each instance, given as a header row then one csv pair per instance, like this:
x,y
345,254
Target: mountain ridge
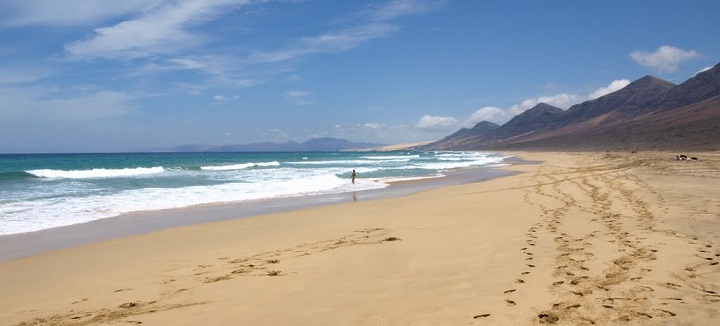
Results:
x,y
648,113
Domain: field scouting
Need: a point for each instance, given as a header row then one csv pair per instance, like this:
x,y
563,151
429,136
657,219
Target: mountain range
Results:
x,y
312,145
649,113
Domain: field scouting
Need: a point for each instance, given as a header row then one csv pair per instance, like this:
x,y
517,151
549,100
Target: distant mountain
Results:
x,y
649,113
312,145
458,141
539,117
703,86
629,101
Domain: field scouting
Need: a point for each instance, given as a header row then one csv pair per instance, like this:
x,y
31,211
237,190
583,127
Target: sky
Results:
x,y
137,75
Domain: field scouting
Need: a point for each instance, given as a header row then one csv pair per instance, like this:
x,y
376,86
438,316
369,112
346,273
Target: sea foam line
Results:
x,y
94,173
238,166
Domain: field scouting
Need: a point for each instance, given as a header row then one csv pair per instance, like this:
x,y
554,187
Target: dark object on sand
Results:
x,y
683,157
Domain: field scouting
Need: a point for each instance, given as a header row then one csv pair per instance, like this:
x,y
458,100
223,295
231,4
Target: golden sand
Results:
x,y
583,238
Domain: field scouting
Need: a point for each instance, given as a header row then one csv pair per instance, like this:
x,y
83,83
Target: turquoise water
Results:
x,y
40,191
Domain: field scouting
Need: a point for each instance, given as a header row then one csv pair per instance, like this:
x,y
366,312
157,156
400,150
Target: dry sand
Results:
x,y
583,238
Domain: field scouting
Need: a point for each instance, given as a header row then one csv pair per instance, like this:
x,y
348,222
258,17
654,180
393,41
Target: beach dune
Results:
x,y
579,239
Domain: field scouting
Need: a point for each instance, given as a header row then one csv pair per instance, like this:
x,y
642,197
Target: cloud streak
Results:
x,y
69,12
162,30
335,41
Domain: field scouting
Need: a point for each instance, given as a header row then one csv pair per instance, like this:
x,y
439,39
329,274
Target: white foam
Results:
x,y
95,173
55,212
238,166
68,202
391,157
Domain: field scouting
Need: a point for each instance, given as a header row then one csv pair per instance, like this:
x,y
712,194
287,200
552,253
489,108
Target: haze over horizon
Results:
x,y
97,76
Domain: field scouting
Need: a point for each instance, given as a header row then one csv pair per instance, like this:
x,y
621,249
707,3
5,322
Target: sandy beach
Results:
x,y
579,239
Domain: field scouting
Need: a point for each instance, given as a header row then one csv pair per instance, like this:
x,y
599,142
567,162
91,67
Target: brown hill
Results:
x,y
465,139
649,113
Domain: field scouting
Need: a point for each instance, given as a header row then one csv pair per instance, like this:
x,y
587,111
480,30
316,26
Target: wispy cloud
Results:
x,y
68,12
298,97
334,41
164,29
375,23
398,8
666,58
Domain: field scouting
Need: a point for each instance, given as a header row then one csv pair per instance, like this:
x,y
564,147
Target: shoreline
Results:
x,y
581,238
20,245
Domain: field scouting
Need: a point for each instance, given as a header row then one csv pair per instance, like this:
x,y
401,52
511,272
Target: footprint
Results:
x,y
525,273
519,281
664,312
548,317
510,302
510,291
481,316
575,306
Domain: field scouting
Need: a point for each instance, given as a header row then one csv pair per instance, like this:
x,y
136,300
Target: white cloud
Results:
x,y
162,30
488,113
69,12
562,100
703,70
299,97
372,126
433,122
665,59
335,41
376,26
614,86
398,8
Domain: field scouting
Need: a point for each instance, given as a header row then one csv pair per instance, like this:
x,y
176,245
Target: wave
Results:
x,y
390,157
7,176
238,166
95,173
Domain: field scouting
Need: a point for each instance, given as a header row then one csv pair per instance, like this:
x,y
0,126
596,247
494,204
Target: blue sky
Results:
x,y
98,76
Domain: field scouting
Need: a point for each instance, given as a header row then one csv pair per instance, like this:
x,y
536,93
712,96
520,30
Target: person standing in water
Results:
x,y
352,176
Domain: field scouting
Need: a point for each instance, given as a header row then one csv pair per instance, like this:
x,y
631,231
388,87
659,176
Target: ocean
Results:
x,y
42,191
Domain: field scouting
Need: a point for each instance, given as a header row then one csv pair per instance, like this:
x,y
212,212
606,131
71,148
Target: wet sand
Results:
x,y
582,238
